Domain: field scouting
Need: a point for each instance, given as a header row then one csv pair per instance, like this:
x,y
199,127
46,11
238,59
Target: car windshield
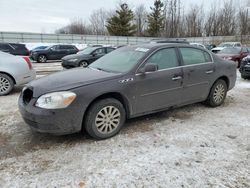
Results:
x,y
47,48
121,60
226,45
86,51
230,51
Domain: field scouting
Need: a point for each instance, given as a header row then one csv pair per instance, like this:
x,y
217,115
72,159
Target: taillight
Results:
x,y
27,59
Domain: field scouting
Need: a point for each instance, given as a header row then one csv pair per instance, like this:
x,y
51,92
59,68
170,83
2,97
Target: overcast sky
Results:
x,y
49,15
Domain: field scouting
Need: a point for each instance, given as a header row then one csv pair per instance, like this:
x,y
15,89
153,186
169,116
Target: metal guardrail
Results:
x,y
96,39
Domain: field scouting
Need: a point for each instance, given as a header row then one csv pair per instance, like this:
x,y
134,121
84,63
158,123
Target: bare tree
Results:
x,y
98,21
194,22
243,17
173,18
227,17
77,26
141,19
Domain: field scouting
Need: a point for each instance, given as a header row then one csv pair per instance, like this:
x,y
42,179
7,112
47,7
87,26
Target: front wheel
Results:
x,y
105,118
243,77
217,94
42,59
83,64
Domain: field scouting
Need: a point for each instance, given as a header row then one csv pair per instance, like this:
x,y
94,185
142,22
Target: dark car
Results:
x,y
234,54
14,49
245,68
128,82
170,40
85,57
55,52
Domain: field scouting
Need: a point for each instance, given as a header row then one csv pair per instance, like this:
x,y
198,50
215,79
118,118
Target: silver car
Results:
x,y
14,71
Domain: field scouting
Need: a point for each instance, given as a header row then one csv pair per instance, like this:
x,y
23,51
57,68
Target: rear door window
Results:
x,y
164,58
5,47
192,56
110,50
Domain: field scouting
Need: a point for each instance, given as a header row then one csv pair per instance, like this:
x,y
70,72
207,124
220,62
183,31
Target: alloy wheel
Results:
x,y
219,93
5,85
108,119
42,59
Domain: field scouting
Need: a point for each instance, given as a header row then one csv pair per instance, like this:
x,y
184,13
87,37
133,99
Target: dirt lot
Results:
x,y
193,146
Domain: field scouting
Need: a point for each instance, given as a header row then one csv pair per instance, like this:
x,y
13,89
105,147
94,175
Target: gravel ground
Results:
x,y
193,146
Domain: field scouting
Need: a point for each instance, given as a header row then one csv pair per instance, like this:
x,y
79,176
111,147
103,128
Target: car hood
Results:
x,y
69,79
75,56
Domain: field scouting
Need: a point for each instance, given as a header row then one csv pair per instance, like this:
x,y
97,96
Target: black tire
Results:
x,y
42,59
6,84
239,63
93,118
83,64
244,77
213,99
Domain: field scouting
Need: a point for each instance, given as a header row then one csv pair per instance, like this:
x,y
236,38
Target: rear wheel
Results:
x,y
6,84
83,64
105,118
42,59
218,93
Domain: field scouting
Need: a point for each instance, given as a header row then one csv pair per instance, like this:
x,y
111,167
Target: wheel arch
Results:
x,y
225,78
115,95
9,76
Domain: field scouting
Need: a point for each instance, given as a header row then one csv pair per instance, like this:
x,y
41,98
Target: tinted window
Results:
x,y
54,47
64,47
100,51
165,58
238,44
71,48
193,56
110,50
18,46
4,47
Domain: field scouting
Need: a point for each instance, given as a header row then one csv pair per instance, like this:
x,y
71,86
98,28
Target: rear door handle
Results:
x,y
209,72
177,78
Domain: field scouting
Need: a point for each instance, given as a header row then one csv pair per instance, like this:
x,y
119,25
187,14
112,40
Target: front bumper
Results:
x,y
58,122
68,64
245,70
34,56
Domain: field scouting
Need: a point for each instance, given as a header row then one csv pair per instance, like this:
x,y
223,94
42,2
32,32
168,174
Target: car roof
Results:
x,y
159,45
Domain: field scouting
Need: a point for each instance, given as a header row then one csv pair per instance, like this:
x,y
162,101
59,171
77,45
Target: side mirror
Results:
x,y
150,67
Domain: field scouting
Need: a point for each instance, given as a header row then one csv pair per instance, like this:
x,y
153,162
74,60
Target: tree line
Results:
x,y
167,18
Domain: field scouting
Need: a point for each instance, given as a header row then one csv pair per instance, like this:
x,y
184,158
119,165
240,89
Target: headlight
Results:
x,y
57,100
73,60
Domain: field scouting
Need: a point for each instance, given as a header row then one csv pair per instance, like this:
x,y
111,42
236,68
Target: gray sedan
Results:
x,y
14,71
126,83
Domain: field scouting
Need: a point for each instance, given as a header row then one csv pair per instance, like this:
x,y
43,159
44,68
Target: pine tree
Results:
x,y
156,19
121,24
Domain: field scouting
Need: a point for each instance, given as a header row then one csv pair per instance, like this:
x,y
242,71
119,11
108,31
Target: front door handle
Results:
x,y
175,78
209,72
